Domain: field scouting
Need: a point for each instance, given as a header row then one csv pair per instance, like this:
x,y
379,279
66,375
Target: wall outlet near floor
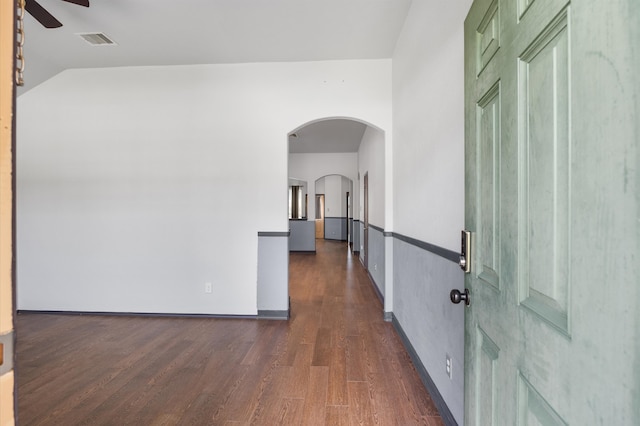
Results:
x,y
207,287
449,366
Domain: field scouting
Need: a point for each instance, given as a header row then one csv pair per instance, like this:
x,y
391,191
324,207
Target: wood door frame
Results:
x,y
365,246
8,385
319,198
349,240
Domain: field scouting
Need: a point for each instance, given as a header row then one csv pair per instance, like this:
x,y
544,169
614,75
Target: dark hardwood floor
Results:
x,y
335,362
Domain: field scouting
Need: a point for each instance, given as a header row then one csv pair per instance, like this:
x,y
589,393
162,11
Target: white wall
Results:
x,y
320,189
138,185
428,185
371,159
332,195
428,117
335,190
346,186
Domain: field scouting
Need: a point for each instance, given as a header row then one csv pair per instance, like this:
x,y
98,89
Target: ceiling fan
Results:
x,y
45,18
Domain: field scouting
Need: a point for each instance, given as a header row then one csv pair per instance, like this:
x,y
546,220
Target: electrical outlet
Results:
x,y
449,366
375,267
207,287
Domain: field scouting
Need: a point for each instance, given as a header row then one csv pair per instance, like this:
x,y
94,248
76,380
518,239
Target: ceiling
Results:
x,y
336,135
184,32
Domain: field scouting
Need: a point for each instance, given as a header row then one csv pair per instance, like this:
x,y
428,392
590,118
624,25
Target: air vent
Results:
x,y
96,39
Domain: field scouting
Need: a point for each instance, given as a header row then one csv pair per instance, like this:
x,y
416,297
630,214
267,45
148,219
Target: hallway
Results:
x,y
335,362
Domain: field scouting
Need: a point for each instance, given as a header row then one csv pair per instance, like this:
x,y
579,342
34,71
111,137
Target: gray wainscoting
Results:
x,y
273,274
376,259
423,276
303,235
335,228
356,235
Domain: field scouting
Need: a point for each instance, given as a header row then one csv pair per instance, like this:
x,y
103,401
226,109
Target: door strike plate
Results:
x,y
465,251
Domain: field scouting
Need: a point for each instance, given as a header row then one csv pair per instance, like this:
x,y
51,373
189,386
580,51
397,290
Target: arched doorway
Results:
x,y
354,149
334,212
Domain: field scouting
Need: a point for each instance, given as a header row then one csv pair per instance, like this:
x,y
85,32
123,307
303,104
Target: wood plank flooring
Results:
x,y
335,362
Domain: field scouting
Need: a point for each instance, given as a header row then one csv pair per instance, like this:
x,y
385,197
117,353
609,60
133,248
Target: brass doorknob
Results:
x,y
457,296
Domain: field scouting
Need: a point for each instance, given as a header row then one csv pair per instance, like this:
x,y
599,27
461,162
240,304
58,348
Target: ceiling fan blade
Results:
x,y
84,3
41,15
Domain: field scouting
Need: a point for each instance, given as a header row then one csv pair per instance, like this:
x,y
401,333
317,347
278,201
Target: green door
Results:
x,y
552,334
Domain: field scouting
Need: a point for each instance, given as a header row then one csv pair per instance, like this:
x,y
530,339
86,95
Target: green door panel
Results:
x,y
552,335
